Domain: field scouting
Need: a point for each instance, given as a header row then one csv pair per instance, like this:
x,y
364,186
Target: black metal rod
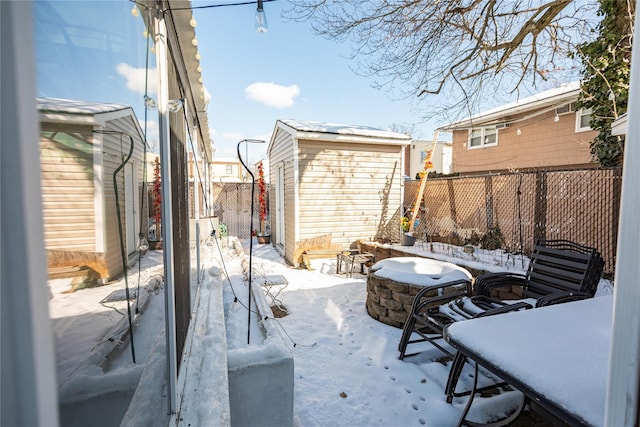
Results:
x,y
253,184
122,254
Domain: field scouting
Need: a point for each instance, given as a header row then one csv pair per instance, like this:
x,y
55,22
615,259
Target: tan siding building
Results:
x,y
81,146
66,160
337,180
540,132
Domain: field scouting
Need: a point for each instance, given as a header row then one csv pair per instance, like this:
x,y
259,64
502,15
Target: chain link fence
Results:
x,y
504,213
232,205
508,213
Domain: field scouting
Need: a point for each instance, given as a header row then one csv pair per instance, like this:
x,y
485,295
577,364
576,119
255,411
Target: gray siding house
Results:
x,y
334,180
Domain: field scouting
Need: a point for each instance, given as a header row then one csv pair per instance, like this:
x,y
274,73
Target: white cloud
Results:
x,y
234,136
272,94
136,78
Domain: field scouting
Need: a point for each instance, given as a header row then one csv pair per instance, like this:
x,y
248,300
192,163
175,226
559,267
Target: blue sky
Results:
x,y
288,72
95,51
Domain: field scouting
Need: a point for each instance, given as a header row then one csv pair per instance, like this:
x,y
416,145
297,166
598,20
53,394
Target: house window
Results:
x,y
483,137
583,119
229,169
566,109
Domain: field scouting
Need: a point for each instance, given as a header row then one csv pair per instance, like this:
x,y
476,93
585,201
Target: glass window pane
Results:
x,y
475,138
491,136
585,119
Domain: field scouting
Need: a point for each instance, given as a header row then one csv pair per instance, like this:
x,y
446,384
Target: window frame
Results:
x,y
579,115
483,137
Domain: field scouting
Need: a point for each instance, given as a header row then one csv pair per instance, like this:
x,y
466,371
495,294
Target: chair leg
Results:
x,y
454,375
406,335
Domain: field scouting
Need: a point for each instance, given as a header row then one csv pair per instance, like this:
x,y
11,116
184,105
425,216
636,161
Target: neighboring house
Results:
x,y
81,146
619,126
441,157
544,131
226,170
338,180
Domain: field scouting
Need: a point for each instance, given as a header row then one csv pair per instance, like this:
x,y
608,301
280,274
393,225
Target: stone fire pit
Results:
x,y
393,283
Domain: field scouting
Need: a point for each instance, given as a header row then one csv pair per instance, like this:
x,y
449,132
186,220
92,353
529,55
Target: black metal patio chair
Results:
x,y
558,271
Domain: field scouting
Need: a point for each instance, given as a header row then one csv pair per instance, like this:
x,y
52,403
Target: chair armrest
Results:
x,y
441,293
561,297
506,309
488,284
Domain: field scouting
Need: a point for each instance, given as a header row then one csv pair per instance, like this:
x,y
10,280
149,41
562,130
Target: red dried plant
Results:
x,y
157,197
262,197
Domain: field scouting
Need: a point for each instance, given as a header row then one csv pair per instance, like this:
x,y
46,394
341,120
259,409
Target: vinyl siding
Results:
x,y
542,143
115,149
351,190
67,187
282,153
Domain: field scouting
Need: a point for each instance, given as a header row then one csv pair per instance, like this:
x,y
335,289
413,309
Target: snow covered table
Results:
x,y
392,284
558,356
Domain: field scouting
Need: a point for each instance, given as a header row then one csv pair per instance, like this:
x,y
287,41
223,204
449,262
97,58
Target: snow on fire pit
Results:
x,y
393,283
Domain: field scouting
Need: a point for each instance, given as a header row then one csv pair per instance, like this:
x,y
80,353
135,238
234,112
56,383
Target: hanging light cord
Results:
x,y
208,6
144,194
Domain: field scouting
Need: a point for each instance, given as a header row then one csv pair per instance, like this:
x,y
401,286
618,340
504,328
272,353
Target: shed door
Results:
x,y
280,206
131,206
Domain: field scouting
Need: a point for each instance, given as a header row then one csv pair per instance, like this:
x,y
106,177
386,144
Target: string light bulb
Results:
x,y
556,118
134,12
143,244
198,56
194,41
211,238
518,132
261,19
150,103
193,22
174,105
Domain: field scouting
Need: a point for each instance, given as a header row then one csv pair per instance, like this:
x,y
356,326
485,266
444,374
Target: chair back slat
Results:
x,y
561,265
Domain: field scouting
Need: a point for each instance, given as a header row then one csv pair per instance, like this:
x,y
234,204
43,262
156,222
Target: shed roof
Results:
x,y
342,132
59,110
69,106
551,98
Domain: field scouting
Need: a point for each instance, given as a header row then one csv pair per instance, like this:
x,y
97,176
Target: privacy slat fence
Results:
x,y
507,211
511,211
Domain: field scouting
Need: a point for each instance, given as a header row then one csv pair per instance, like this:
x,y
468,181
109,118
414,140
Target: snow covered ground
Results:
x,y
346,365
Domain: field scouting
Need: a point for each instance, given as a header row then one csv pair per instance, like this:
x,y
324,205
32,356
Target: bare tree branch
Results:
x,y
426,48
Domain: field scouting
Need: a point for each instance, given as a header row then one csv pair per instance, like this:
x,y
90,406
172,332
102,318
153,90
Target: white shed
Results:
x,y
332,179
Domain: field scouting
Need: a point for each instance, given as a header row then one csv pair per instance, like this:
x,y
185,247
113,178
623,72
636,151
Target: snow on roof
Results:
x,y
69,106
341,129
555,96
